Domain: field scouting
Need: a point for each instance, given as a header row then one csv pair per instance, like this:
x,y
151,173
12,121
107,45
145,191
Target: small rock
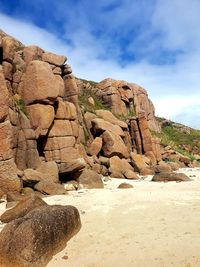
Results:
x,y
125,185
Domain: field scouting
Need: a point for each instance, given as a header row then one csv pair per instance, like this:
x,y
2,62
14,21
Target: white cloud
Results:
x,y
173,88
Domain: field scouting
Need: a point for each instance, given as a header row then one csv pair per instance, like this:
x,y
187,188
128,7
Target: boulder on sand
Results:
x,y
125,186
32,240
89,179
170,176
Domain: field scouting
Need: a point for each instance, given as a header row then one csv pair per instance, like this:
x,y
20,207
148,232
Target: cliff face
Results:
x,y
44,128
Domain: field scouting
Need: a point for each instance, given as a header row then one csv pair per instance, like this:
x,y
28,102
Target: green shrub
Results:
x,y
174,137
21,106
98,103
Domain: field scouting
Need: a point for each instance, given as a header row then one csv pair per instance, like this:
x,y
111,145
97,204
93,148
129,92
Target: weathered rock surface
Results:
x,y
38,84
49,170
113,145
130,174
32,240
22,208
65,110
9,180
120,168
138,161
50,188
95,146
108,116
89,179
53,59
170,176
116,167
41,117
100,125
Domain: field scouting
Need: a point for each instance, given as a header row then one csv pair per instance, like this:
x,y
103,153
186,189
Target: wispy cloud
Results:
x,y
155,45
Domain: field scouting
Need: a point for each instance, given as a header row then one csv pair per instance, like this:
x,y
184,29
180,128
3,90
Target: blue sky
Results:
x,y
155,43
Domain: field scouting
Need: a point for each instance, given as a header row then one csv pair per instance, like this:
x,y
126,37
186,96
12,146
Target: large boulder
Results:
x,y
53,58
65,110
130,174
31,175
41,117
32,240
24,206
89,179
72,166
50,188
39,83
95,146
170,176
100,125
113,145
47,171
108,116
116,167
120,168
32,52
61,128
138,161
145,132
10,45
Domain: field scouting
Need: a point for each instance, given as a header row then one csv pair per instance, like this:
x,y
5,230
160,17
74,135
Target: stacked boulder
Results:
x,y
113,145
124,98
38,116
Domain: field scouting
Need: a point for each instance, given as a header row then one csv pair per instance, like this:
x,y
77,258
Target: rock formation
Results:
x,y
50,134
125,98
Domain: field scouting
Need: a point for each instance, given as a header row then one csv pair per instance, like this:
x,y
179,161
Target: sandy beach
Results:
x,y
152,224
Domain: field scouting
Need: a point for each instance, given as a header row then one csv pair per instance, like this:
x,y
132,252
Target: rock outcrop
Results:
x,y
124,98
38,113
54,126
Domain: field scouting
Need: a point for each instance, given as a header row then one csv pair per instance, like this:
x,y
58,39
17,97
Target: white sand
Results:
x,y
150,225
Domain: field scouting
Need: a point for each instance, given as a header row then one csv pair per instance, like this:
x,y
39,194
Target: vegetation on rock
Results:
x,y
83,101
183,139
